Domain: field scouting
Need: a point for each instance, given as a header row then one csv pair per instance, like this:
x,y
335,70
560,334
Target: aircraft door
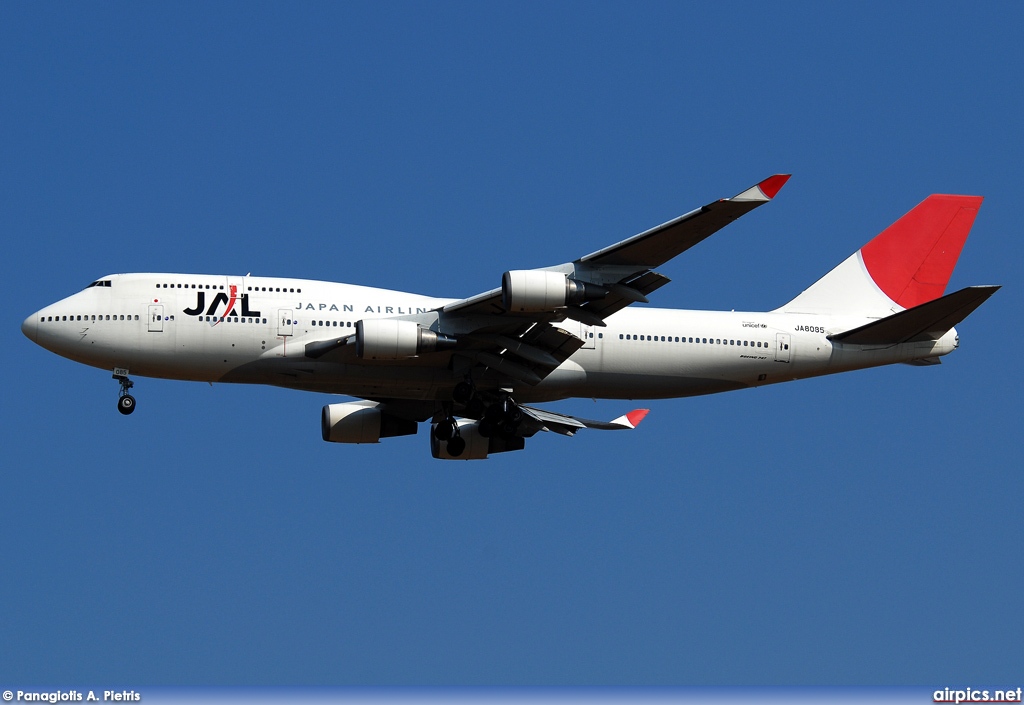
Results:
x,y
782,347
587,335
285,322
156,318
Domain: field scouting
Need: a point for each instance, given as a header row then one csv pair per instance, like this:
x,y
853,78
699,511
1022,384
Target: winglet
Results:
x,y
632,419
765,190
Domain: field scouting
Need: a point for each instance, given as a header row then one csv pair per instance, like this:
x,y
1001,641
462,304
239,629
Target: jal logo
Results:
x,y
230,301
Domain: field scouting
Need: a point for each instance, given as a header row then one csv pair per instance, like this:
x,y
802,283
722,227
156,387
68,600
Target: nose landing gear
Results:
x,y
125,401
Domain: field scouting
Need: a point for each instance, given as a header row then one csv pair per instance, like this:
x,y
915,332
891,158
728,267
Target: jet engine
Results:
x,y
361,422
477,446
390,339
534,290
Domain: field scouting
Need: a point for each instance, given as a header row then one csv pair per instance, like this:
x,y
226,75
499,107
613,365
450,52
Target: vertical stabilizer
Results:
x,y
907,264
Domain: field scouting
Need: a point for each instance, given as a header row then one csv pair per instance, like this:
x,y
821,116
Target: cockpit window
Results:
x,y
102,282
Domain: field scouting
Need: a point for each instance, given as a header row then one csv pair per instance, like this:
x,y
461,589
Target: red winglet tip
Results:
x,y
773,184
636,416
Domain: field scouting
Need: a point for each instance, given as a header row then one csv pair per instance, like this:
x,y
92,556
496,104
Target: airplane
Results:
x,y
474,367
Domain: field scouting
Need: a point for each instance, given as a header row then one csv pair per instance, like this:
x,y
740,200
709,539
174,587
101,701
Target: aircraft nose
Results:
x,y
28,327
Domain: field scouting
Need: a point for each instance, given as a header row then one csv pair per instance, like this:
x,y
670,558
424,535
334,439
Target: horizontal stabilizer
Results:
x,y
929,321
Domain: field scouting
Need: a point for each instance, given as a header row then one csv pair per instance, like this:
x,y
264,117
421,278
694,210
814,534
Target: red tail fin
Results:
x,y
912,259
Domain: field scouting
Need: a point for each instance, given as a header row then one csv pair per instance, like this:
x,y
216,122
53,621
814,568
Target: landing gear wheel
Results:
x,y
126,404
456,446
444,430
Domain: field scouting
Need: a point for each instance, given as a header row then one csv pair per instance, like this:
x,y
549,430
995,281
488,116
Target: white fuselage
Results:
x,y
175,326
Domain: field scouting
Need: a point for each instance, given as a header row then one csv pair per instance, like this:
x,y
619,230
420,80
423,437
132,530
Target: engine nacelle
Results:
x,y
535,290
361,422
390,339
477,446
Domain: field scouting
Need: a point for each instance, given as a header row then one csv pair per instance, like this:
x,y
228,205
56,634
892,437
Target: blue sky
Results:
x,y
860,529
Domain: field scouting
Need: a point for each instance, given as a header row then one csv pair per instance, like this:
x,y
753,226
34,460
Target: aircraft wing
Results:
x,y
626,266
501,340
569,425
520,345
